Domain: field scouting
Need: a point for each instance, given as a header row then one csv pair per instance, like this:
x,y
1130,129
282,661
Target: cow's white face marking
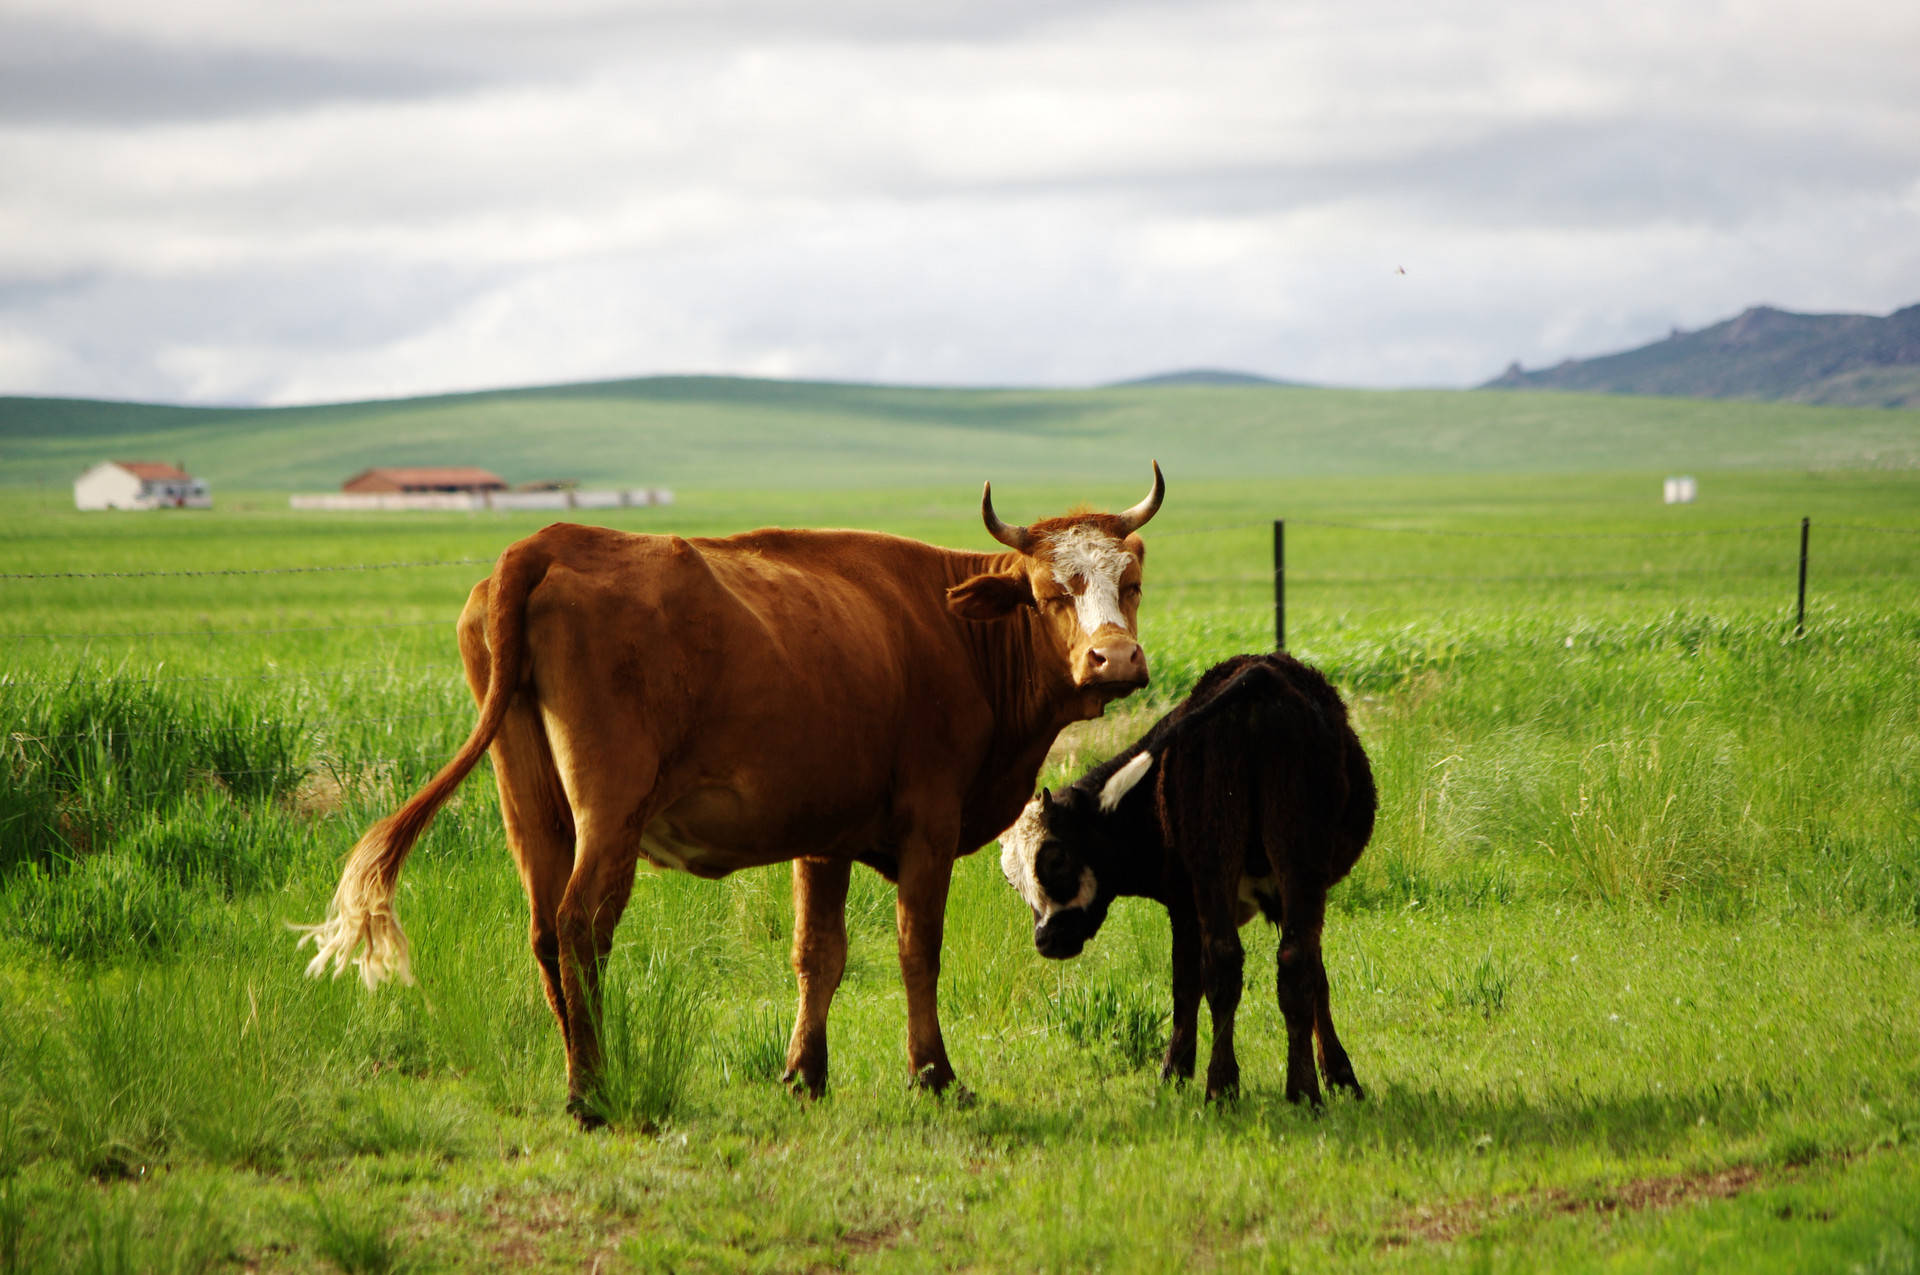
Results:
x,y
1089,557
1019,848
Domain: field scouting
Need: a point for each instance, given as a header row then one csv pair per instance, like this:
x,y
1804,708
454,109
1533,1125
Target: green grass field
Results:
x,y
721,435
1631,969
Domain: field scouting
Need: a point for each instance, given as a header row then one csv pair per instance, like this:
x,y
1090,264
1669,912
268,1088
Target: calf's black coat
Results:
x,y
1258,797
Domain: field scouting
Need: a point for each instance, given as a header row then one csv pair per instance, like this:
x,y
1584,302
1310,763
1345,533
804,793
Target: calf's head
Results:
x,y
1053,856
1081,574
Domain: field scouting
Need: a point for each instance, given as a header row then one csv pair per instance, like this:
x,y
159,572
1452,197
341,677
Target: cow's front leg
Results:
x,y
1183,1040
819,959
920,912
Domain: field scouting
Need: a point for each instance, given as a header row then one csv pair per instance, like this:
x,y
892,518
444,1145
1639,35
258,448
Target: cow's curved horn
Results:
x,y
1135,518
1012,537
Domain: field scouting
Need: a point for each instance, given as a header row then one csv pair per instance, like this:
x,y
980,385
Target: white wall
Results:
x,y
340,501
106,486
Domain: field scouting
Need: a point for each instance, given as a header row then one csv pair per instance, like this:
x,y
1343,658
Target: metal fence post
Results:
x,y
1800,616
1279,584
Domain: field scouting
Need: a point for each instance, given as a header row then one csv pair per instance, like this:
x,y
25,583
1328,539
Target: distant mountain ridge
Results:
x,y
1854,360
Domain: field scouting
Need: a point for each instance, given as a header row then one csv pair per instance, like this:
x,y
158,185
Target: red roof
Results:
x,y
150,471
440,477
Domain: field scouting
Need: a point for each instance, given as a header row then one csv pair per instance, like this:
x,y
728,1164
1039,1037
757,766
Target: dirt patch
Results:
x,y
1469,1217
873,1238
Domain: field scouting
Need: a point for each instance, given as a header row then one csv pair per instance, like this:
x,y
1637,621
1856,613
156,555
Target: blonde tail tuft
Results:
x,y
361,914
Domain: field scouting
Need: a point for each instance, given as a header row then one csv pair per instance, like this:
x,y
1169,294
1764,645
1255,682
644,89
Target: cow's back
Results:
x,y
781,690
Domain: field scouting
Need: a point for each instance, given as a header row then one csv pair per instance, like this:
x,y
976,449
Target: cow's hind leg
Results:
x,y
540,830
819,959
606,853
533,805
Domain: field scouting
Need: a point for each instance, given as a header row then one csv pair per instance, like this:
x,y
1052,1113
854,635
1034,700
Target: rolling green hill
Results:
x,y
1203,376
1852,359
711,433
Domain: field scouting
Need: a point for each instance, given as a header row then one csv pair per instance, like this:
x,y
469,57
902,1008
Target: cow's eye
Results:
x,y
1130,590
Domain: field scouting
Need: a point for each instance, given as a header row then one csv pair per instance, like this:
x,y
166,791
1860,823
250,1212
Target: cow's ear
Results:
x,y
1122,781
990,597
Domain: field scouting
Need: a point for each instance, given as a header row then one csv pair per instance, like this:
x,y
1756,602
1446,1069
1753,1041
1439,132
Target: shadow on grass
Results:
x,y
1405,1119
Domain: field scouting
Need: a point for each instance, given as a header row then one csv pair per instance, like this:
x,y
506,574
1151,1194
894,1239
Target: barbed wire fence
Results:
x,y
446,674
1278,578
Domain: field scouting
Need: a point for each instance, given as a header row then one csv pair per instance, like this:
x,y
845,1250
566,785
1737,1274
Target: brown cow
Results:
x,y
824,697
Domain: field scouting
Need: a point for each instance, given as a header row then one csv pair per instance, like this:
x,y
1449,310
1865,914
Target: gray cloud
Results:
x,y
221,201
63,73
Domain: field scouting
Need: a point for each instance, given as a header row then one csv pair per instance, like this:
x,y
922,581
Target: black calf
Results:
x,y
1262,800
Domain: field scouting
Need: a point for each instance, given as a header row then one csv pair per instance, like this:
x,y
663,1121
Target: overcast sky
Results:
x,y
260,201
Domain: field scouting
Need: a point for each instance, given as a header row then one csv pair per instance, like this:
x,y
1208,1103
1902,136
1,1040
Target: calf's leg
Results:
x,y
1334,1063
1301,984
1225,976
819,959
1188,977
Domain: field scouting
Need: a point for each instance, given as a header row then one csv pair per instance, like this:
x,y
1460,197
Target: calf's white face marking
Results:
x,y
1019,849
1089,557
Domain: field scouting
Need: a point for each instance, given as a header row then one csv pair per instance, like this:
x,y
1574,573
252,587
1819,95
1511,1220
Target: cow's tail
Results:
x,y
362,911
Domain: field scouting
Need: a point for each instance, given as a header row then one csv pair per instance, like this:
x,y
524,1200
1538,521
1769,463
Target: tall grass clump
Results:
x,y
650,1024
1122,1025
755,1050
86,755
355,1236
125,803
1654,815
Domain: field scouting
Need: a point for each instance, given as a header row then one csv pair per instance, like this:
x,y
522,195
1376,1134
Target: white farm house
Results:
x,y
139,484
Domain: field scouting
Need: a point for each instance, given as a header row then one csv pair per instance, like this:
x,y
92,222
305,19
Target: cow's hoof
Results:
x,y
937,1078
803,1084
584,1115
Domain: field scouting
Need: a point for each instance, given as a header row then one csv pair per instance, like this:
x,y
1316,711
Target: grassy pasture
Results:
x,y
1629,970
729,435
